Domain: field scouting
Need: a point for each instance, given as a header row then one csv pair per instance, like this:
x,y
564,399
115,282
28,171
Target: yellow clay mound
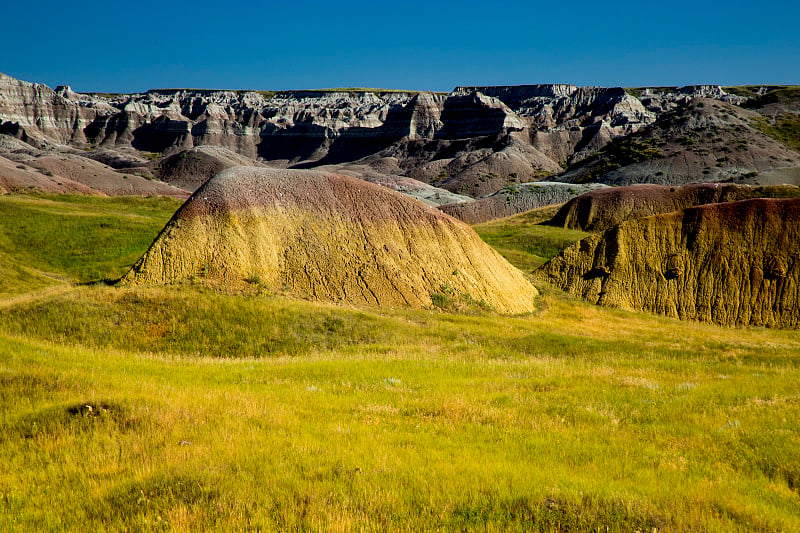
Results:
x,y
332,238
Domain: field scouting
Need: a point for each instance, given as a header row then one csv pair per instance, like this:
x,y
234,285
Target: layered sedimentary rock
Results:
x,y
515,199
566,122
40,116
303,125
474,167
315,126
101,178
549,106
735,263
391,178
473,141
20,177
329,237
602,209
659,99
70,173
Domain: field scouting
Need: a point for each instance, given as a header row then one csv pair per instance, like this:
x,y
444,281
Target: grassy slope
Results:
x,y
785,127
523,242
75,238
216,411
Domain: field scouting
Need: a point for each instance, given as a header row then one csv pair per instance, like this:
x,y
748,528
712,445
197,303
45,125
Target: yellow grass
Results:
x,y
242,412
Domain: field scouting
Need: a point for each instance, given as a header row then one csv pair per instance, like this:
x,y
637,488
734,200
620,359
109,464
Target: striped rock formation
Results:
x,y
328,237
603,209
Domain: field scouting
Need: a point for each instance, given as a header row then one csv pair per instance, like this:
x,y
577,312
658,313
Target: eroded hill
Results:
x,y
702,141
513,199
604,208
329,237
735,263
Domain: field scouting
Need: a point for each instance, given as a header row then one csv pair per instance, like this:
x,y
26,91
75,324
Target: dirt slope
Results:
x,y
735,263
189,169
103,178
332,238
27,177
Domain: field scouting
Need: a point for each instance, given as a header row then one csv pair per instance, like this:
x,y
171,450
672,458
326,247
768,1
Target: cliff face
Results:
x,y
300,126
567,122
39,115
548,106
734,263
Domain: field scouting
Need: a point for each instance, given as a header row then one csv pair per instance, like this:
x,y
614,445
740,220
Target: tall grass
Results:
x,y
189,409
435,420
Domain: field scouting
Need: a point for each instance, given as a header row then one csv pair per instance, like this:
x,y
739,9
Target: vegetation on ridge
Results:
x,y
784,128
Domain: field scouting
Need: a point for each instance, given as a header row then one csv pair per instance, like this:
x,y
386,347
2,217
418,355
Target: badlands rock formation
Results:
x,y
471,142
515,199
422,191
301,126
189,169
702,141
103,178
474,166
19,177
660,99
329,237
735,263
602,209
566,122
69,173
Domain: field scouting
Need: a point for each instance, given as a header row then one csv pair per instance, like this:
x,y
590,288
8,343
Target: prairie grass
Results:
x,y
79,238
186,408
785,129
524,241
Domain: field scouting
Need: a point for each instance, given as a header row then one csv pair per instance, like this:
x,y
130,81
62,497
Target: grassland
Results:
x,y
77,238
190,409
524,241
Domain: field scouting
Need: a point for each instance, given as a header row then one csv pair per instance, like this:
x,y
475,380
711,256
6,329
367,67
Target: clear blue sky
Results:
x,y
133,46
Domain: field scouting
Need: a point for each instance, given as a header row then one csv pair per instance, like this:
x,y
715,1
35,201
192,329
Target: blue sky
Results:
x,y
133,46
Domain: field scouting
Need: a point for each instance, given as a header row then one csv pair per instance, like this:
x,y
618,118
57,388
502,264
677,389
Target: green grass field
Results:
x,y
188,408
524,242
